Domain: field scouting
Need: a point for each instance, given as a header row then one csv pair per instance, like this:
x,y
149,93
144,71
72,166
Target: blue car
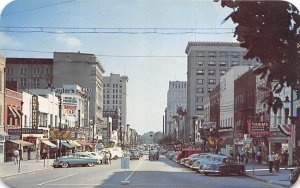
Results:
x,y
74,160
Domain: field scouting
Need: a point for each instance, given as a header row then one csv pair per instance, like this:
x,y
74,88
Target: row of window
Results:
x,y
113,102
221,63
201,90
221,54
113,85
210,81
182,85
24,70
210,72
113,96
114,90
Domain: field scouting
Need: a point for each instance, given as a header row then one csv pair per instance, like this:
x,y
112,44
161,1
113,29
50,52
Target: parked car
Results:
x,y
222,165
134,154
203,159
294,175
187,152
153,155
92,155
74,160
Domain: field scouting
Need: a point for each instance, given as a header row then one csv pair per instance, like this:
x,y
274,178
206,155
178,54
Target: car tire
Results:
x,y
64,164
90,164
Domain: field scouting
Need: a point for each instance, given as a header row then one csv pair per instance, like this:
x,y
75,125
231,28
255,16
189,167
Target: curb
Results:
x,y
26,172
267,181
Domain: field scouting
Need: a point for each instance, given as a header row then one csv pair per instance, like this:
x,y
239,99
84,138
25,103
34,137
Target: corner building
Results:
x,y
206,63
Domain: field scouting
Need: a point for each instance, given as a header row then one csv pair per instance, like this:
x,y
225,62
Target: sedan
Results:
x,y
74,160
223,165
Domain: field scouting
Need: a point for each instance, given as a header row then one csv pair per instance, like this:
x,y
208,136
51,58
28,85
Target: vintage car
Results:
x,y
134,154
294,175
222,165
74,160
153,154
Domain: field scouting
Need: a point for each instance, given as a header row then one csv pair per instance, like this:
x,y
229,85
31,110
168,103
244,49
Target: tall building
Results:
x,y
115,95
177,98
86,71
206,63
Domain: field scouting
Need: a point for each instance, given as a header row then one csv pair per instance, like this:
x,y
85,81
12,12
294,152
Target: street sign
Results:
x,y
125,163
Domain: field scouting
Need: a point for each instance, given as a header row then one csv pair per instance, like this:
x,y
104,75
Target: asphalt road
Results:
x,y
142,173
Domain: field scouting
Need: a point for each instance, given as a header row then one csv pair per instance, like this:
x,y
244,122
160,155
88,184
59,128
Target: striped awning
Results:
x,y
66,144
73,142
21,142
12,112
47,142
16,112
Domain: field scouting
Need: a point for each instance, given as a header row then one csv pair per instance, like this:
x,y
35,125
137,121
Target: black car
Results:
x,y
294,175
222,165
134,154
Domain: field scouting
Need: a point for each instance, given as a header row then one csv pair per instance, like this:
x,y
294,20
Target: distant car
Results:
x,y
223,165
294,175
134,154
153,154
74,160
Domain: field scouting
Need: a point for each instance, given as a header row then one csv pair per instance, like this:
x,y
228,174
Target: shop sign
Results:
x,y
258,128
26,131
35,111
208,125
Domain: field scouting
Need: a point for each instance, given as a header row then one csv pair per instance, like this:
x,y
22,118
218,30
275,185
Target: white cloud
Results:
x,y
3,4
8,42
68,40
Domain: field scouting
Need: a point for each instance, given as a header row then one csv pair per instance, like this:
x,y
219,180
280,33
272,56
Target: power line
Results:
x,y
36,8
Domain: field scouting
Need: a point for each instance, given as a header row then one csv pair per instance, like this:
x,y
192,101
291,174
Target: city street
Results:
x,y
142,173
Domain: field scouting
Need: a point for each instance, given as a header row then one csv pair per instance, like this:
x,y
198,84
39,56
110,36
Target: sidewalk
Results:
x,y
261,172
10,169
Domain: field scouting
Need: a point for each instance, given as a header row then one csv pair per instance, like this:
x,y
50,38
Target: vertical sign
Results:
x,y
35,112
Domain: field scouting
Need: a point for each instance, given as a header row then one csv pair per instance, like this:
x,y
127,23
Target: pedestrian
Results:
x,y
258,156
277,161
238,156
16,156
246,156
271,159
109,153
242,156
285,159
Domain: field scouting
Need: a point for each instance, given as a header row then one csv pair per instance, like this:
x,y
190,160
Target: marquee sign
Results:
x,y
258,128
35,112
26,131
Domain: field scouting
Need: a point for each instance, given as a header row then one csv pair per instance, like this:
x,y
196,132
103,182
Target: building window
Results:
x,y
222,72
212,54
211,81
199,107
223,63
212,63
199,99
36,82
211,72
200,90
200,72
23,70
201,54
107,102
36,71
223,54
199,81
200,63
235,54
234,63
23,82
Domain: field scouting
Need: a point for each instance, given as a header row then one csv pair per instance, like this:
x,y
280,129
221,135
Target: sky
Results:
x,y
127,36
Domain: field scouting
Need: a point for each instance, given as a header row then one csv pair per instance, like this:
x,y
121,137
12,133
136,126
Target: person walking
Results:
x,y
271,159
285,159
258,156
16,156
109,156
277,161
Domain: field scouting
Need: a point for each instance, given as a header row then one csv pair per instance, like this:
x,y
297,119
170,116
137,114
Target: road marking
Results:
x,y
134,171
57,179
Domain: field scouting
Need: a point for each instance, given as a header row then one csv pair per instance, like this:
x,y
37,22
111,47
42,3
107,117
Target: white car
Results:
x,y
116,152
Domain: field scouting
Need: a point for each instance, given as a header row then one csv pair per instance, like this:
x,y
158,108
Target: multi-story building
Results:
x,y
30,73
2,105
115,95
206,63
85,70
176,100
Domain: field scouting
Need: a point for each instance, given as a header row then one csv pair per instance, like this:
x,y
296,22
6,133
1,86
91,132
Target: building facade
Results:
x,y
206,63
176,99
2,107
84,70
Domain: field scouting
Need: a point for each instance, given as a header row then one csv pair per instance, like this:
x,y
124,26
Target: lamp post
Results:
x,y
59,126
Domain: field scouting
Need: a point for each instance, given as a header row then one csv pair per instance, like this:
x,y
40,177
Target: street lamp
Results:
x,y
59,127
287,106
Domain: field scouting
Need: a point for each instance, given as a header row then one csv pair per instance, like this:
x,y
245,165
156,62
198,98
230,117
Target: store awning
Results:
x,y
47,142
12,112
2,133
84,143
16,112
66,144
73,142
23,143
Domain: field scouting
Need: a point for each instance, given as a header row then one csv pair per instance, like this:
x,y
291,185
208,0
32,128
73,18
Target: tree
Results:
x,y
270,31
